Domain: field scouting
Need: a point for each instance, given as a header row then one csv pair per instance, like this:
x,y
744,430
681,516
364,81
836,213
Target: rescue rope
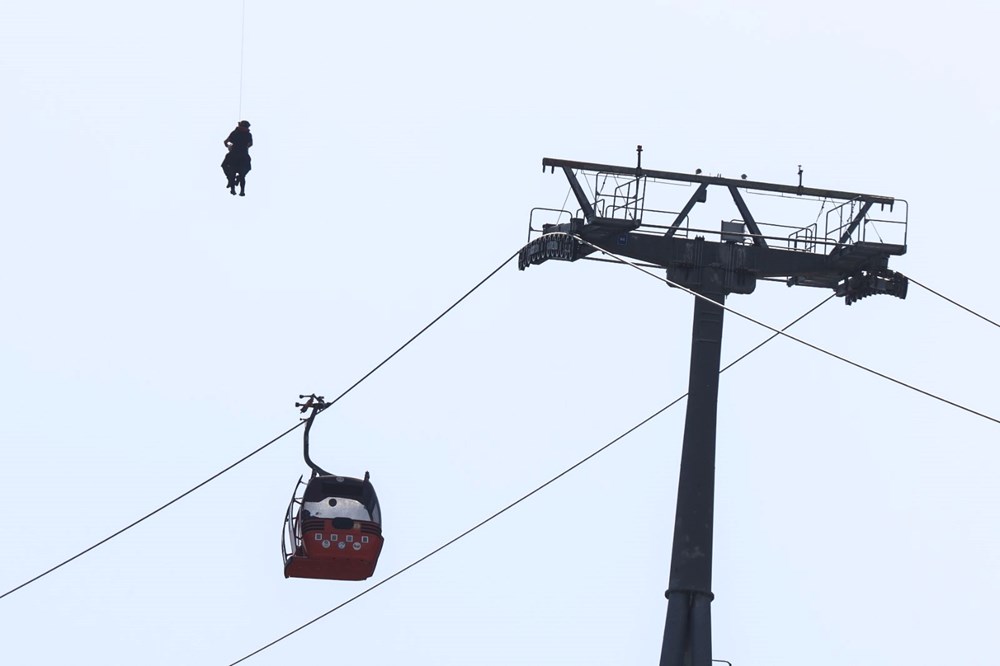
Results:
x,y
243,32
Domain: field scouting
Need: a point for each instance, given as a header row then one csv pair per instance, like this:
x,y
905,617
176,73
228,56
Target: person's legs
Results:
x,y
244,169
227,168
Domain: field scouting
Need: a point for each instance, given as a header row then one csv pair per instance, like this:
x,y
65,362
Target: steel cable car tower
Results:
x,y
620,218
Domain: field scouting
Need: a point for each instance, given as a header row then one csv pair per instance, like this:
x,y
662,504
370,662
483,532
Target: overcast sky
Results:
x,y
157,329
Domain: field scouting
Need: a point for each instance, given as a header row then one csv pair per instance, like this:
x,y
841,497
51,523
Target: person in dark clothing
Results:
x,y
236,164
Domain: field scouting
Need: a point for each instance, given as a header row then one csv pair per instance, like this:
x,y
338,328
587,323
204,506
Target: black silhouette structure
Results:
x,y
236,164
617,213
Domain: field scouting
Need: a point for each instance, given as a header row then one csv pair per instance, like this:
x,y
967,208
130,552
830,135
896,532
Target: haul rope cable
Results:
x,y
264,446
526,496
955,303
787,335
150,514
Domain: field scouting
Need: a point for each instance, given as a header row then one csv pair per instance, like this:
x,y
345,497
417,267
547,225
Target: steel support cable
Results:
x,y
424,329
263,446
151,513
867,369
569,191
526,496
955,303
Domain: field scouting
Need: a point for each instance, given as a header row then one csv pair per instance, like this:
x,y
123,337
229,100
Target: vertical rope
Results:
x,y
243,24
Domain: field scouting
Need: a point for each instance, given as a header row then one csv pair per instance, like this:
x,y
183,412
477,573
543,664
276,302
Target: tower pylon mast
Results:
x,y
618,218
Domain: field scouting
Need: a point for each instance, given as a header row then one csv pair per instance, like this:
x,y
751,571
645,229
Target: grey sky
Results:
x,y
156,329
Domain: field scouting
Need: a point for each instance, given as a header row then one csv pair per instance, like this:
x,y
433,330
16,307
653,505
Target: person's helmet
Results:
x,y
244,124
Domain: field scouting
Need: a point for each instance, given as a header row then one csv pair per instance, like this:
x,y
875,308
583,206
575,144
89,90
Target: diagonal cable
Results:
x,y
424,329
812,346
151,513
263,446
953,302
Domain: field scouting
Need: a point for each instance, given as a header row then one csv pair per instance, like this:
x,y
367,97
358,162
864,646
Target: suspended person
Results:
x,y
236,164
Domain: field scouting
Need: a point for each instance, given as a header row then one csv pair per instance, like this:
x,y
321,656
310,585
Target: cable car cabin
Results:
x,y
333,530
